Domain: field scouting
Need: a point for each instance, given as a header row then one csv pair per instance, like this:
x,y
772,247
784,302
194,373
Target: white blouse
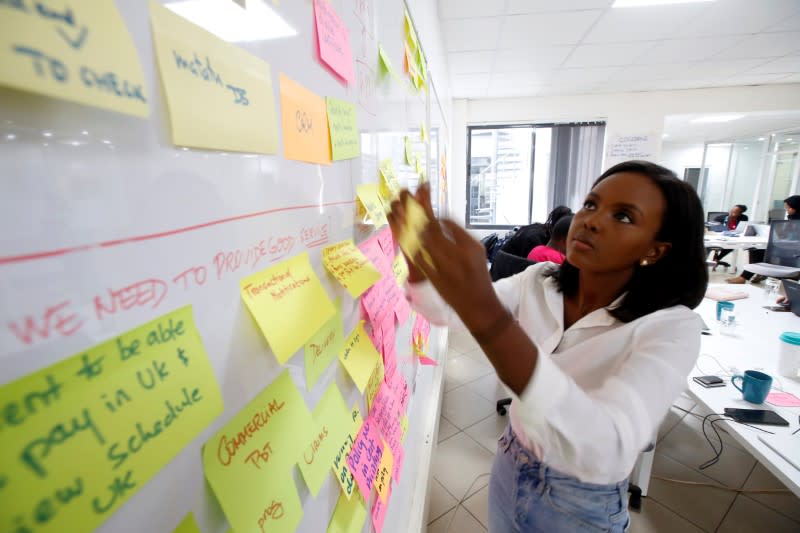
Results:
x,y
600,389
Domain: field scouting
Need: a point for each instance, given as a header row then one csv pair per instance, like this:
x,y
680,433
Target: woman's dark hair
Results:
x,y
678,278
561,228
555,215
742,207
794,202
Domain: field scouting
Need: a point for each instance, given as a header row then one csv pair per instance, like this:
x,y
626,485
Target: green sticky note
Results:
x,y
323,347
383,61
187,525
349,515
343,126
409,155
80,437
249,461
331,426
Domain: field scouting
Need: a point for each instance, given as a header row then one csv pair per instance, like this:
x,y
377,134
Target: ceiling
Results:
x,y
746,127
504,48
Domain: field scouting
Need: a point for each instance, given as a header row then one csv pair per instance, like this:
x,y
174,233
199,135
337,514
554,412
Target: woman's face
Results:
x,y
617,226
735,212
789,209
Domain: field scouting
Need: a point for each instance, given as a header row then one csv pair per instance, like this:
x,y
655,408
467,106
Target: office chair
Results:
x,y
782,258
776,214
711,218
712,215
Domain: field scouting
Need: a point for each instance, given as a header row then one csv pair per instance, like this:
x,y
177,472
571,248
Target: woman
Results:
x,y
792,207
594,351
556,248
528,237
729,221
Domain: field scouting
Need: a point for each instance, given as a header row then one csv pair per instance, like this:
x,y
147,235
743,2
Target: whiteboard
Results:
x,y
94,202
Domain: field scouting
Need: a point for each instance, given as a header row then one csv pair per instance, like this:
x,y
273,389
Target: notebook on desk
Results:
x,y
787,446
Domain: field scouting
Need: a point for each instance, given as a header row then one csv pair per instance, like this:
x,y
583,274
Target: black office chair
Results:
x,y
782,257
712,215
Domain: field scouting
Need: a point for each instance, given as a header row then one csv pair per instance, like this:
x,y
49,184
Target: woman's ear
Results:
x,y
657,252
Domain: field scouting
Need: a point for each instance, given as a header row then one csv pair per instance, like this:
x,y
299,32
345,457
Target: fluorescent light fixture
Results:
x,y
664,135
645,3
715,118
789,140
230,22
761,138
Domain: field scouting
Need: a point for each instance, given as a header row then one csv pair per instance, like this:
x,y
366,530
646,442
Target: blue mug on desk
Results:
x,y
755,385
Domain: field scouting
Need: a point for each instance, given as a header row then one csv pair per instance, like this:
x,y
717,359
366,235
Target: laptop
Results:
x,y
741,228
792,290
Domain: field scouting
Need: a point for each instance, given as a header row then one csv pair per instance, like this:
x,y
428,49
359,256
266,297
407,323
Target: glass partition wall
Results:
x,y
758,172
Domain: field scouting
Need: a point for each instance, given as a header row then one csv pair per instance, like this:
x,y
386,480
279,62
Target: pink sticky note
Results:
x,y
365,456
385,415
333,40
386,241
402,310
399,387
379,512
783,399
427,361
421,325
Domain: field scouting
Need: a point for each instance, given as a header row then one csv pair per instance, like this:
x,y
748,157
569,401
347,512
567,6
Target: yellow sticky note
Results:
x,y
350,267
400,269
383,61
349,515
418,163
423,133
407,150
187,525
369,199
404,426
79,51
85,434
218,95
341,470
343,125
375,381
389,186
288,302
359,356
331,426
416,220
383,478
411,35
304,121
248,461
323,347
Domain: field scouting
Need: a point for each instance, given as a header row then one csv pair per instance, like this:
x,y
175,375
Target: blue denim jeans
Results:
x,y
526,495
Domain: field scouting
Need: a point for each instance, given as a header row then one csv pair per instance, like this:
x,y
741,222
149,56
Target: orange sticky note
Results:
x,y
304,121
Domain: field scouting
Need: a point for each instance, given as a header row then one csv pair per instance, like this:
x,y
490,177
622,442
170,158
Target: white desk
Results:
x,y
735,243
755,346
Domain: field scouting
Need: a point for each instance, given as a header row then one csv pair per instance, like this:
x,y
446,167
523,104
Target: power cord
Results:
x,y
463,499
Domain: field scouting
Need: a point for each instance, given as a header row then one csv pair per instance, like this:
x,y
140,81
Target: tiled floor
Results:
x,y
468,431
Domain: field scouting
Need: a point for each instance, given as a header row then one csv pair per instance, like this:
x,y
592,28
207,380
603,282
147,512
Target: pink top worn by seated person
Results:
x,y
545,253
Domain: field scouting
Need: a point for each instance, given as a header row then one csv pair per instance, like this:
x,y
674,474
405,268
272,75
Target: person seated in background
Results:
x,y
528,237
556,248
792,207
730,221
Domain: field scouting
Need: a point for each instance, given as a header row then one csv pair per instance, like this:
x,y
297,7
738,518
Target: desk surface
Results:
x,y
719,240
754,346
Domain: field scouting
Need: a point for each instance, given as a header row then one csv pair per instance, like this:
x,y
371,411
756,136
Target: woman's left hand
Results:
x,y
458,270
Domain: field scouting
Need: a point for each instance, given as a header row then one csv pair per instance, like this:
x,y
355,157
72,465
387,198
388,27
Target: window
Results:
x,y
511,181
500,176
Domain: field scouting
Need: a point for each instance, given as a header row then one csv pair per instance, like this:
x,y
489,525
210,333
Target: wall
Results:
x,y
624,113
678,156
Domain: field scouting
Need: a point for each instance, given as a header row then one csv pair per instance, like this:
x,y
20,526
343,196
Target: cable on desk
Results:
x,y
723,487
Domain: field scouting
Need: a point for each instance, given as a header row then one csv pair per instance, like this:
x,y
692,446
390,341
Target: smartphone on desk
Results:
x,y
777,308
709,381
756,416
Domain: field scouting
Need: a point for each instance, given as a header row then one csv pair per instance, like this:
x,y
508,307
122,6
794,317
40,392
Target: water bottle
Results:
x,y
771,287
